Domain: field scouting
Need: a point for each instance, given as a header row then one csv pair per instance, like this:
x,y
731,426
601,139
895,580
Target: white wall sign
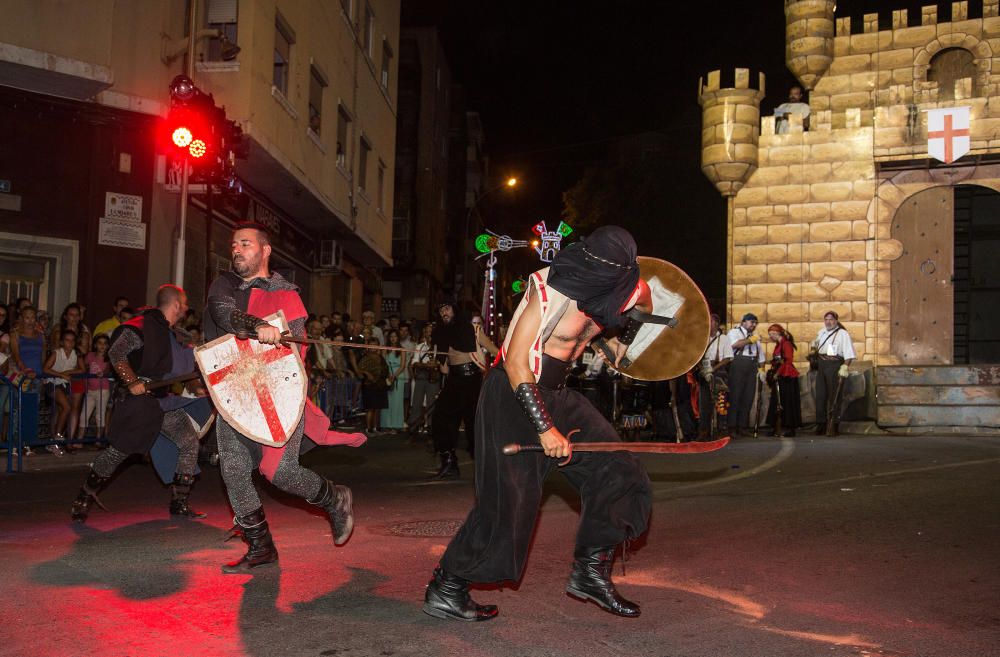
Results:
x,y
121,232
122,206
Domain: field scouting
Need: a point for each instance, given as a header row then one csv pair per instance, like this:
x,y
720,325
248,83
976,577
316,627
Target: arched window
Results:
x,y
947,67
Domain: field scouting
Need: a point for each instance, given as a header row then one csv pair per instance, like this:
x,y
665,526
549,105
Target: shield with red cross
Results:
x,y
257,388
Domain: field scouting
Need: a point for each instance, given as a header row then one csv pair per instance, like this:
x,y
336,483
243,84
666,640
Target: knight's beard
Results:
x,y
246,266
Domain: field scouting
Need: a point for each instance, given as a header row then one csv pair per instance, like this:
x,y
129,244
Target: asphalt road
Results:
x,y
812,546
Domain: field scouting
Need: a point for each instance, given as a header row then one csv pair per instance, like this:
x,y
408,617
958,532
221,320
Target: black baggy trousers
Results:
x,y
492,545
455,404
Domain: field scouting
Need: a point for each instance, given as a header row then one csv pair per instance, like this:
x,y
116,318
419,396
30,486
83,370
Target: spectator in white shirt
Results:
x,y
747,366
835,351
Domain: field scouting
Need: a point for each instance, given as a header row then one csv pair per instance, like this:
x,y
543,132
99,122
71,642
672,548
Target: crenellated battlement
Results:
x,y
730,127
941,13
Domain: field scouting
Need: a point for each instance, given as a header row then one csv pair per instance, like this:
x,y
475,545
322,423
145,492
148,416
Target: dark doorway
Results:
x,y
977,275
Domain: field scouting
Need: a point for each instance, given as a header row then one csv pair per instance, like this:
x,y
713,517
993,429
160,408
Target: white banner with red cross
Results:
x,y
257,388
948,133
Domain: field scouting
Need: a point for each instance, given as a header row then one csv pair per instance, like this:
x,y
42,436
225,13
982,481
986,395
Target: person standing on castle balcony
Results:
x,y
835,351
795,105
748,358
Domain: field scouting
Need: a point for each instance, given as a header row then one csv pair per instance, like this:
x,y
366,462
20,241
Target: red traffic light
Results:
x,y
198,148
190,132
181,137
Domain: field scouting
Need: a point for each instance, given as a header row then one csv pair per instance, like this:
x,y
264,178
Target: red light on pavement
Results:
x,y
182,137
197,148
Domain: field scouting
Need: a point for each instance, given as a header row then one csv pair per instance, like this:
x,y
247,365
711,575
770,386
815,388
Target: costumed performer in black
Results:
x,y
141,352
588,287
458,345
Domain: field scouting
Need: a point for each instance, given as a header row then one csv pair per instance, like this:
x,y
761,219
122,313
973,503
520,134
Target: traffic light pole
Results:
x,y
179,257
189,65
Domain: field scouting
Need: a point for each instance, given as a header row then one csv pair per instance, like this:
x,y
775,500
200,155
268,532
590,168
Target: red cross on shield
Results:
x,y
259,389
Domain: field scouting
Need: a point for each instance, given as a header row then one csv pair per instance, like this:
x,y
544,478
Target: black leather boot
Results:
x,y
447,596
449,466
260,547
338,503
88,496
180,490
591,580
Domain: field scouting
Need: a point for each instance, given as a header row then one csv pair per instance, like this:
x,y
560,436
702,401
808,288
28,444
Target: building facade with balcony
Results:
x,y
90,207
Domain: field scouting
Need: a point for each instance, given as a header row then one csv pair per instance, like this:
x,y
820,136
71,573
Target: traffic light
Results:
x,y
190,134
198,131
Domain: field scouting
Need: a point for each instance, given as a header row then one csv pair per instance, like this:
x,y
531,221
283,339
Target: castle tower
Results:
x,y
809,32
730,128
730,131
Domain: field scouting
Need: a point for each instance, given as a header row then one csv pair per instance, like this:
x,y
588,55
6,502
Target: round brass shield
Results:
x,y
675,350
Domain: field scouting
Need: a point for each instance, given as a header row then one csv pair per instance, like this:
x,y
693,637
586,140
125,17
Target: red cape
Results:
x,y
263,303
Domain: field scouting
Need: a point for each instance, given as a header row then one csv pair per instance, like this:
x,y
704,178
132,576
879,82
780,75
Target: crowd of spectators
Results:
x,y
65,362
393,388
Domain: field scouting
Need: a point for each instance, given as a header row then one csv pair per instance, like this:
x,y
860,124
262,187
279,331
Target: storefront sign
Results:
x,y
261,214
121,232
122,206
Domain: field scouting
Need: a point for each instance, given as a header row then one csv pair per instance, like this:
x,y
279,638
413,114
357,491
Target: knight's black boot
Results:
x,y
591,580
88,496
260,546
180,490
449,466
338,503
447,596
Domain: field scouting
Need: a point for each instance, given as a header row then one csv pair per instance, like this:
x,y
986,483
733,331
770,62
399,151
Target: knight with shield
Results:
x,y
259,388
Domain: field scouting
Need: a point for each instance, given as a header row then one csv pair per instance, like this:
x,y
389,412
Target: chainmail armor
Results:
x,y
231,319
237,466
178,429
126,342
108,461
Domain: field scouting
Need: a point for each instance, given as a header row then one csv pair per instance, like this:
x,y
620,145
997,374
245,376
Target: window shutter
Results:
x,y
222,11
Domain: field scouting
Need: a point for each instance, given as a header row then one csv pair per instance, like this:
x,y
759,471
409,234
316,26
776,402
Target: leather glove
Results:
x,y
754,339
842,372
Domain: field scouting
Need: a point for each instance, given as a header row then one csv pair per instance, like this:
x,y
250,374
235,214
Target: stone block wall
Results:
x,y
810,227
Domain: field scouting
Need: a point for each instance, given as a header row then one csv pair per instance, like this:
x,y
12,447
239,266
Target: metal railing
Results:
x,y
24,399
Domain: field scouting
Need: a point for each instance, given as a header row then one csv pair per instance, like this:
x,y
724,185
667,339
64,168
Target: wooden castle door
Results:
x,y
922,279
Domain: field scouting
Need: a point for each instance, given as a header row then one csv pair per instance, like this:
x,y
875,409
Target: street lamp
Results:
x,y
510,183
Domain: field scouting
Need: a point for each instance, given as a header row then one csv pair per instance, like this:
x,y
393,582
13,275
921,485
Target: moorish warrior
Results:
x,y
587,289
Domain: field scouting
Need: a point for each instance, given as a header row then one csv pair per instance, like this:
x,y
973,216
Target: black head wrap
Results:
x,y
599,272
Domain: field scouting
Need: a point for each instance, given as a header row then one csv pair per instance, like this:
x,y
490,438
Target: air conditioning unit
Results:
x,y
330,255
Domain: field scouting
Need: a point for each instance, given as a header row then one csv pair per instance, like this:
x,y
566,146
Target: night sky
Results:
x,y
557,82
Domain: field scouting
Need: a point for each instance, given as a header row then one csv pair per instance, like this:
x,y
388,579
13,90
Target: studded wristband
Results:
x,y
125,372
530,398
631,330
